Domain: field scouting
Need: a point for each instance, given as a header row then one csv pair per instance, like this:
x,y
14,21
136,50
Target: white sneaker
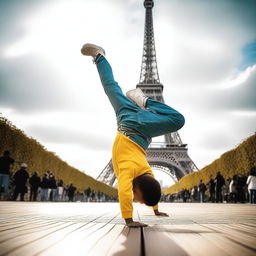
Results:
x,y
137,96
92,50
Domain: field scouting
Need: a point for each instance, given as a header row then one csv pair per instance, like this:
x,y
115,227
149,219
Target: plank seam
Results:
x,y
142,240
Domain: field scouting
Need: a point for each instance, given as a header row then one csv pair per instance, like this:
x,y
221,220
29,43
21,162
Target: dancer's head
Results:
x,y
146,190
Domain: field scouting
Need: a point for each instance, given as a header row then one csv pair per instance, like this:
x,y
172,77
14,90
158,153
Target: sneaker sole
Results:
x,y
86,49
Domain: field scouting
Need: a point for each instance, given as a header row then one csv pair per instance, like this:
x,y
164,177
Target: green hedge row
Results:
x,y
236,161
30,151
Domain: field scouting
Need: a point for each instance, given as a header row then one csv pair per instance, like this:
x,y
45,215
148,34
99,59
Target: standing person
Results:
x,y
139,118
201,190
219,183
88,194
60,190
6,162
225,191
233,189
66,193
20,180
241,183
71,192
35,183
93,196
251,181
211,187
44,188
194,193
52,193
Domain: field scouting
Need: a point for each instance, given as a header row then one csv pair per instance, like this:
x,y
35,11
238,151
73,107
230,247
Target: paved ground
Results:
x,y
97,229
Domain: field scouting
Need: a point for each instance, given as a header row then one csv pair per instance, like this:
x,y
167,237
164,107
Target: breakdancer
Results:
x,y
139,119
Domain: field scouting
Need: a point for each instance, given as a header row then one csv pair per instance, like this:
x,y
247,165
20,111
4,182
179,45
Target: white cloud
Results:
x,y
240,78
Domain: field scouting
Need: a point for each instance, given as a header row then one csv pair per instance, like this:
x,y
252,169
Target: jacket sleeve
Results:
x,y
125,179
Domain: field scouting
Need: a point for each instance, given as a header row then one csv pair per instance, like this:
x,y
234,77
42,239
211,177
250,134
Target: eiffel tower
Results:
x,y
170,155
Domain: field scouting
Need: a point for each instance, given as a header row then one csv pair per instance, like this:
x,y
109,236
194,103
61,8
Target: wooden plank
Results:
x,y
82,241
16,225
245,228
106,241
226,243
78,237
237,236
128,243
15,244
190,238
159,243
29,230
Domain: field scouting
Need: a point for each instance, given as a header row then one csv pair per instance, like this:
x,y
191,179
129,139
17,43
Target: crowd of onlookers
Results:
x,y
19,185
238,189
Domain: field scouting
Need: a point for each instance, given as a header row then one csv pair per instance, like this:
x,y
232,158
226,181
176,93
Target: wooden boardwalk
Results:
x,y
97,229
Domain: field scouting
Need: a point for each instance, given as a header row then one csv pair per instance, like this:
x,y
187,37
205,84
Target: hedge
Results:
x,y
39,159
236,161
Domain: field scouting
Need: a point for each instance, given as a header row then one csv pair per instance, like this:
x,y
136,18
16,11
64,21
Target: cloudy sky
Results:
x,y
206,53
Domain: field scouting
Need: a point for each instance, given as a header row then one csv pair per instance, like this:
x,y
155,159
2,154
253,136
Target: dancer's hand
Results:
x,y
163,214
134,224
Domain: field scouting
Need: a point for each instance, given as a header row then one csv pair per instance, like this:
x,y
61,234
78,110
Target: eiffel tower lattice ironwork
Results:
x,y
169,156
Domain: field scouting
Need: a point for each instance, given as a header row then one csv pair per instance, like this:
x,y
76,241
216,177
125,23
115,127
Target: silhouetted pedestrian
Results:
x,y
194,193
219,182
60,190
20,180
35,183
201,189
87,193
52,193
211,188
233,189
71,192
44,188
6,163
241,183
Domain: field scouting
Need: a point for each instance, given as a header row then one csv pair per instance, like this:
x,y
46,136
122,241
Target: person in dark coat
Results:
x,y
71,192
44,188
211,187
6,163
241,183
201,190
35,183
20,180
87,193
219,183
52,188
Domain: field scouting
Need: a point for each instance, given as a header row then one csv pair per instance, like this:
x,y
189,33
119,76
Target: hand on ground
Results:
x,y
136,224
163,214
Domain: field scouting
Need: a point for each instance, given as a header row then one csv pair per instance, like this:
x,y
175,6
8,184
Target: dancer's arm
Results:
x,y
125,179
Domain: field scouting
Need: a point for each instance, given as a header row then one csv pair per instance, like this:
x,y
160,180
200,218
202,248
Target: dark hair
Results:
x,y
253,171
150,188
6,153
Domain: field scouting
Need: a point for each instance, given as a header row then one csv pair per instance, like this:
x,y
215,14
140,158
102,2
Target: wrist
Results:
x,y
128,220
